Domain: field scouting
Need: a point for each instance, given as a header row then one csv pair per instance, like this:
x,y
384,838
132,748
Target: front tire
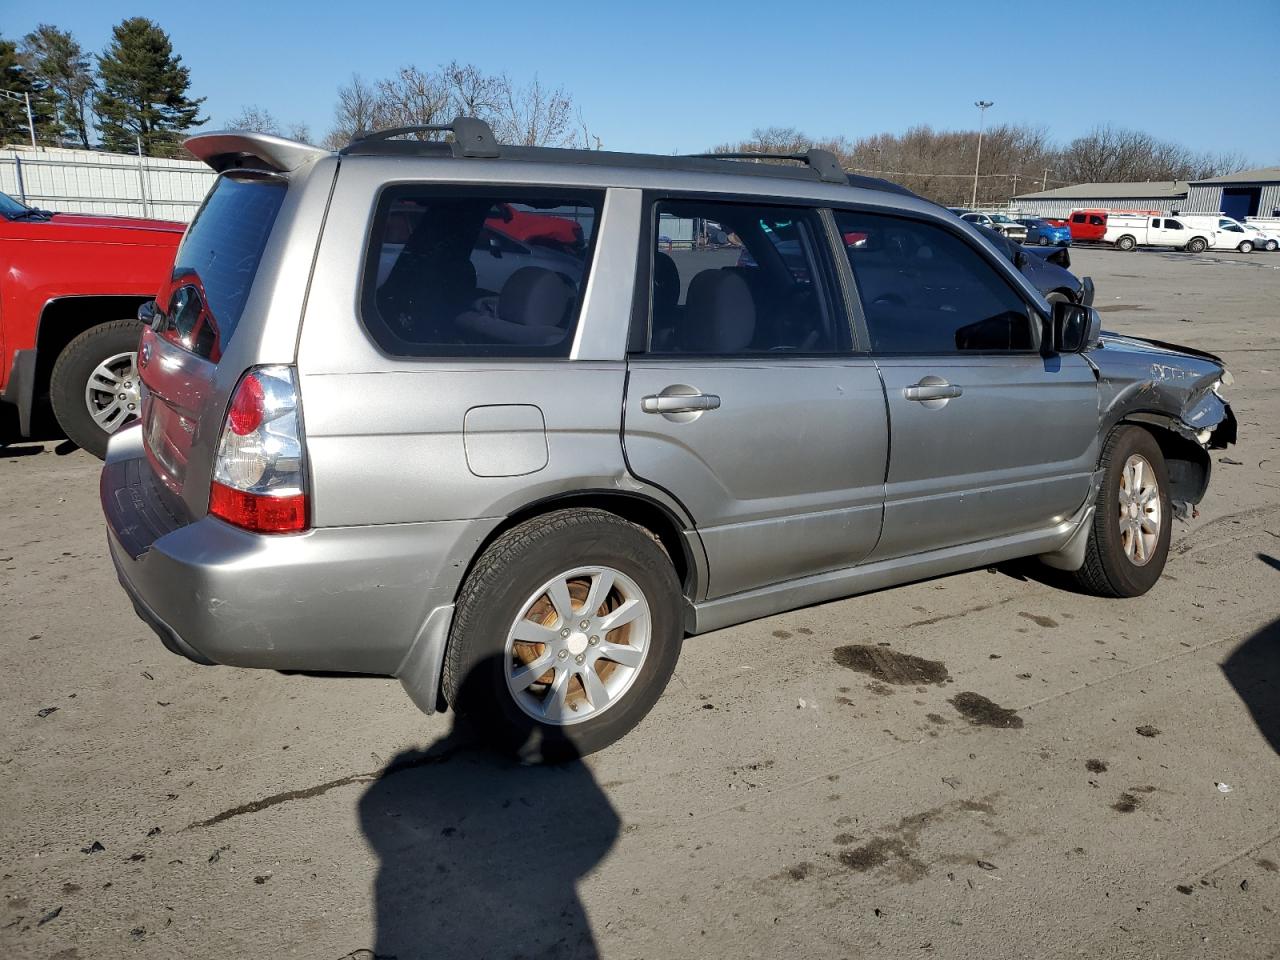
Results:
x,y
1132,523
94,387
565,634
1273,246
1043,241
1245,247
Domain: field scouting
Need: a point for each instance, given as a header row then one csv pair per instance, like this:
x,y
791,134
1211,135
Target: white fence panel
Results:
x,y
86,181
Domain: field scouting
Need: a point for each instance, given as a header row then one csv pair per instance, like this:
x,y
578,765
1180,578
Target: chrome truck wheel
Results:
x,y
111,394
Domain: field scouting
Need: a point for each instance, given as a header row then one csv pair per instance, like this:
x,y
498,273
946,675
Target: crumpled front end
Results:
x,y
1175,388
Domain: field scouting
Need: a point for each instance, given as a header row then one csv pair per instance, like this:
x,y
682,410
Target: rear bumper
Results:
x,y
343,599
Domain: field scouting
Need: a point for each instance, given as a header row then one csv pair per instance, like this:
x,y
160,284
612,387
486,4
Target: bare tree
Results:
x,y
534,115
256,119
354,112
530,115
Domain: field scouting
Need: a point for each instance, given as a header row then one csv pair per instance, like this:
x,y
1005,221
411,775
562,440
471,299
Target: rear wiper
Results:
x,y
25,214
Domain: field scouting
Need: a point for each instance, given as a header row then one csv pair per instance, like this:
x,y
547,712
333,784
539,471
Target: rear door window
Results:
x,y
925,290
735,278
478,272
215,265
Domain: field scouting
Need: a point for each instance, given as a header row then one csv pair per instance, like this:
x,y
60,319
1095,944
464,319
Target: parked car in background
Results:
x,y
1046,269
1270,236
1087,226
1129,231
1229,233
1045,234
997,221
70,290
523,514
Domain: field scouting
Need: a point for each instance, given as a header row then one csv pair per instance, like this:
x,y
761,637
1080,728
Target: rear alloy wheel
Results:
x,y
1043,241
1197,245
1132,522
565,634
1246,247
1126,243
94,387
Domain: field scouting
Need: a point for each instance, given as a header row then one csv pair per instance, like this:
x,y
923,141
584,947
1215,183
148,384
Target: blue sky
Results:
x,y
667,77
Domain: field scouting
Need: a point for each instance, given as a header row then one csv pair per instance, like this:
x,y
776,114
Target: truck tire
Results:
x,y
1132,523
94,387
1126,243
1198,245
548,683
1246,247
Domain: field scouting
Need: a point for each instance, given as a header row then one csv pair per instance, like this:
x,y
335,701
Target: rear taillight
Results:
x,y
259,476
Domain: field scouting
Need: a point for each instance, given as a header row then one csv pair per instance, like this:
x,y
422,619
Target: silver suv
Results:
x,y
509,423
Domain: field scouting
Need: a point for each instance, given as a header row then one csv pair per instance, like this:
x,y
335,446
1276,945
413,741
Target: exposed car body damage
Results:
x,y
1175,389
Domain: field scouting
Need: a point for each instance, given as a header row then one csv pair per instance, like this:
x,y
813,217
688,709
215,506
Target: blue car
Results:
x,y
1044,234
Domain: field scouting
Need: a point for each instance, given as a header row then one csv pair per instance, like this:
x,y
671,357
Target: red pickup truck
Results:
x,y
70,289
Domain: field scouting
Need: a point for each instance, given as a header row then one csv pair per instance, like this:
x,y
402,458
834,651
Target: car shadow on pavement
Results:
x,y
1253,669
479,855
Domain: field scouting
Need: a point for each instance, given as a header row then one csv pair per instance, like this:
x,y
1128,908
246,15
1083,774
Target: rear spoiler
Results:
x,y
239,149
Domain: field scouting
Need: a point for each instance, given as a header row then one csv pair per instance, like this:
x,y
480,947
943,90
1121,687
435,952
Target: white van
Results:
x,y
1128,231
1229,234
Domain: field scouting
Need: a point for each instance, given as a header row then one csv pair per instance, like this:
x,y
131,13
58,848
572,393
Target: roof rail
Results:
x,y
822,162
472,137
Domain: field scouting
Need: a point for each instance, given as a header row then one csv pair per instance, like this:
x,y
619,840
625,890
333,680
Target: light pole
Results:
x,y
23,98
982,117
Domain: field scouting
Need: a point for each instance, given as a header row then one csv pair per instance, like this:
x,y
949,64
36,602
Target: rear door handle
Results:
x,y
665,403
933,388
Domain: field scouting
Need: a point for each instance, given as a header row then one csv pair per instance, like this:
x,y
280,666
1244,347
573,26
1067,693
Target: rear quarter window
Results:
x,y
216,263
478,271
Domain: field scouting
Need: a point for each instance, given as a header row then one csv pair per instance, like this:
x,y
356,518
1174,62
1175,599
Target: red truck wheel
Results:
x,y
94,387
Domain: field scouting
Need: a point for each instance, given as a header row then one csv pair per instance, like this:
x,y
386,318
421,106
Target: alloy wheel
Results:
x,y
1140,510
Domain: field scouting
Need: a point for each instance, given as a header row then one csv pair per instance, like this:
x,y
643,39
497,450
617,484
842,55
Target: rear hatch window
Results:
x,y
216,264
198,313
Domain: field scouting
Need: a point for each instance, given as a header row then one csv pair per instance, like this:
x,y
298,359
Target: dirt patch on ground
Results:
x,y
982,712
1038,619
890,666
1146,730
1096,766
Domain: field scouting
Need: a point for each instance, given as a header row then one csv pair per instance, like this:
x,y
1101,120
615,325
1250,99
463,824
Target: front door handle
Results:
x,y
674,403
932,388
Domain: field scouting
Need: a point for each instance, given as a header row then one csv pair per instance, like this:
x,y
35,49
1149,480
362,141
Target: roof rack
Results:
x,y
822,162
472,137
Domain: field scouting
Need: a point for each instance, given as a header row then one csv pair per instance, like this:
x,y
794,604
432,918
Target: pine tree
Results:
x,y
143,92
17,79
54,56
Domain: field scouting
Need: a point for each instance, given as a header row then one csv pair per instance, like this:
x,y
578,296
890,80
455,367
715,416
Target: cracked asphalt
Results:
x,y
984,765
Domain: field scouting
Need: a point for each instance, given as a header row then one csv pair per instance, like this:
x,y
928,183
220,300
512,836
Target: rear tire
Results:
x,y
1132,523
97,374
1043,241
1126,243
1197,245
608,678
1246,247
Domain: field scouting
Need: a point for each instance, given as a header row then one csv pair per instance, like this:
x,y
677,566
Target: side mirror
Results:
x,y
1073,329
147,313
1019,258
495,248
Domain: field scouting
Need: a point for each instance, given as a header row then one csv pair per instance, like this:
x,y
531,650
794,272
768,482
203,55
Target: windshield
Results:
x,y
1000,218
10,207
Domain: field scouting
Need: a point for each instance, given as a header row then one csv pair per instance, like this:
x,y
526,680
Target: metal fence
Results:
x,y
86,181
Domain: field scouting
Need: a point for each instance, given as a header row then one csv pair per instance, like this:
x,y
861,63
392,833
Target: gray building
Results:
x,y
1149,195
1249,193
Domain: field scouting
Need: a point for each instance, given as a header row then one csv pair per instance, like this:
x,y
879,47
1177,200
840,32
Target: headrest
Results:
x,y
666,283
535,297
720,316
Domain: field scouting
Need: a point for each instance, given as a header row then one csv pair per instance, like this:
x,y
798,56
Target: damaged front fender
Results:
x,y
1172,389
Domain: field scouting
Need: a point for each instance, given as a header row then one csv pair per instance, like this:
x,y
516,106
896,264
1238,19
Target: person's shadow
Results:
x,y
1254,670
479,856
